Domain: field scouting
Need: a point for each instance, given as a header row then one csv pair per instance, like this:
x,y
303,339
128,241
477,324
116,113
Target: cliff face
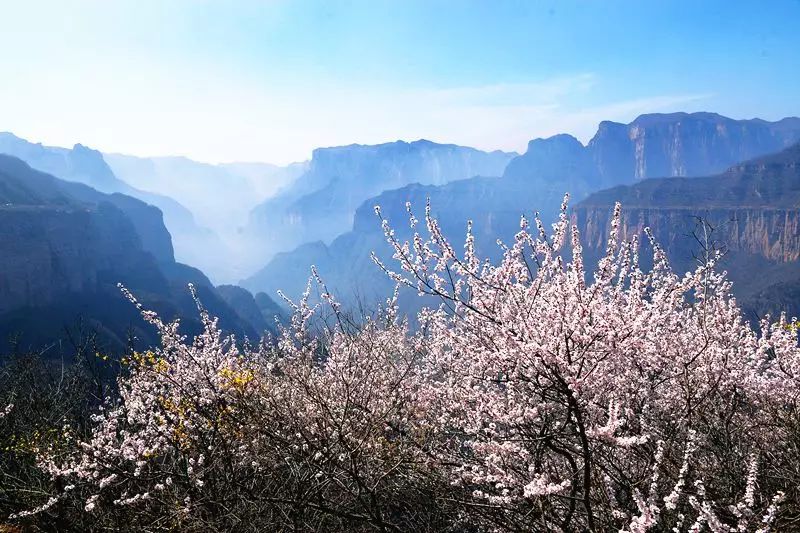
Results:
x,y
657,145
321,203
83,166
752,211
49,253
770,233
683,144
696,144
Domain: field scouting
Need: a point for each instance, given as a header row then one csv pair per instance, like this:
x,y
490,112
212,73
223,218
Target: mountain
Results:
x,y
678,144
321,203
653,145
346,265
84,165
64,248
752,211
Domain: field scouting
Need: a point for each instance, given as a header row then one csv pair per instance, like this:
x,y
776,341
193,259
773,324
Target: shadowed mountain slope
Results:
x,y
63,249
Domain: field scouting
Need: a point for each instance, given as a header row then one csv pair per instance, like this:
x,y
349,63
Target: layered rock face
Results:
x,y
682,144
751,211
770,233
655,145
321,203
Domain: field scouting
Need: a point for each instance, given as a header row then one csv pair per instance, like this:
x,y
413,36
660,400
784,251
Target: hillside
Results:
x,y
81,164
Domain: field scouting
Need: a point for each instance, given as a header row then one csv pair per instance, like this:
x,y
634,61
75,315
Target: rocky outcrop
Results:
x,y
655,145
770,233
684,144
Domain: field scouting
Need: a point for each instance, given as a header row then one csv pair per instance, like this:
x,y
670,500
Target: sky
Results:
x,y
269,81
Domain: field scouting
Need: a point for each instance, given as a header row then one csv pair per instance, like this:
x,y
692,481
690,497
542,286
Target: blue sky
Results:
x,y
271,80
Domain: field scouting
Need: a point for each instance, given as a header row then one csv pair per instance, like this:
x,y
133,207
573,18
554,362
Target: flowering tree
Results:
x,y
534,397
627,401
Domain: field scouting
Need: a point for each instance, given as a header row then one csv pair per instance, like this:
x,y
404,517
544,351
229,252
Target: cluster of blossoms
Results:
x,y
534,397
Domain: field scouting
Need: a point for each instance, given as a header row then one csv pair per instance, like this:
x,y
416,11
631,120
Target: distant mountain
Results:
x,y
321,203
494,204
654,145
63,248
84,165
753,208
261,310
678,144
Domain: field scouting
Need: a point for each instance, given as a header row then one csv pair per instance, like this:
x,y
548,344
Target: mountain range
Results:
x,y
321,203
677,144
75,222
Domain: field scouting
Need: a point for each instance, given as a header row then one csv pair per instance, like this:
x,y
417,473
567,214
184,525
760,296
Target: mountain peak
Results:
x,y
564,140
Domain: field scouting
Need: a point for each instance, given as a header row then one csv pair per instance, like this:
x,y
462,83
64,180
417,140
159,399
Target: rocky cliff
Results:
x,y
677,144
321,203
751,211
83,165
49,252
655,145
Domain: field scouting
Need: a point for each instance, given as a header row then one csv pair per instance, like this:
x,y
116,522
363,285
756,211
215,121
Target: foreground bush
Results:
x,y
535,398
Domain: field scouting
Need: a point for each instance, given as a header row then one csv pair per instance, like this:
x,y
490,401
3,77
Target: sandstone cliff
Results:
x,y
320,205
